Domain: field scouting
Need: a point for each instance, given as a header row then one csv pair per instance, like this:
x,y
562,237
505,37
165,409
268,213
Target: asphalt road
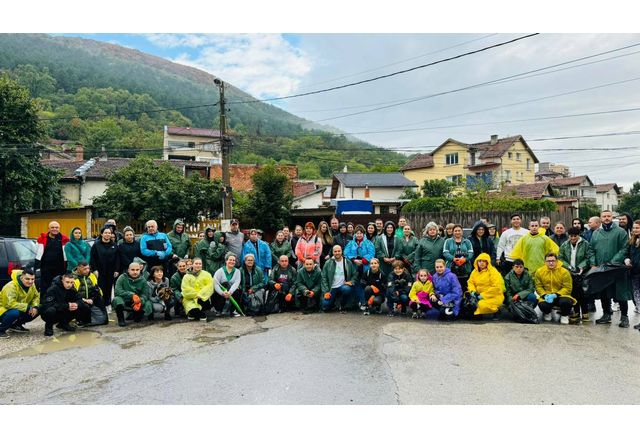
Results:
x,y
324,359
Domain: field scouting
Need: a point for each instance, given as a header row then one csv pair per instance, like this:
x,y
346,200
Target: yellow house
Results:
x,y
496,162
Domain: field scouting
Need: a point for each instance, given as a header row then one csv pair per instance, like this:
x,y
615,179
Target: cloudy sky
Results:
x,y
547,84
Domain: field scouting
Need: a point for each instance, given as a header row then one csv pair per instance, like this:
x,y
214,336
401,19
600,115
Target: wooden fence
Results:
x,y
501,219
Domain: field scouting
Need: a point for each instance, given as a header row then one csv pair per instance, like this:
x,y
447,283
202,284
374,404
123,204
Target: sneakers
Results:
x,y
624,322
547,317
4,335
18,328
564,320
363,308
66,327
585,317
606,318
48,329
234,314
637,326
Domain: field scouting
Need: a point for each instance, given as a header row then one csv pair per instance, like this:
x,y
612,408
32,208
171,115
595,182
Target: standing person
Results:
x,y
227,281
402,221
633,261
494,236
334,226
429,248
406,248
176,285
339,275
374,286
609,244
132,294
50,255
128,249
309,245
481,241
86,284
554,285
386,247
282,284
532,247
197,291
104,263
235,241
216,253
297,234
19,302
287,234
507,242
458,254
447,289
76,249
260,250
253,286
448,230
308,289
61,304
371,232
575,254
155,246
342,238
487,284
577,222
559,234
625,222
202,247
399,284
594,224
116,235
360,252
326,238
379,226
545,226
180,243
280,246
161,295
351,229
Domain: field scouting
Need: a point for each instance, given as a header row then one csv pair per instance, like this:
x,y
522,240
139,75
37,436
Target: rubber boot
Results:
x,y
120,315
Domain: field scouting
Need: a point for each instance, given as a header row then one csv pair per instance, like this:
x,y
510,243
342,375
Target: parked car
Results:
x,y
15,253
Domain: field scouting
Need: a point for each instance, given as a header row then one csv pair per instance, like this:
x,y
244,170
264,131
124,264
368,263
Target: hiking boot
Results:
x,y
66,327
18,328
624,322
606,318
48,329
564,320
120,314
585,317
547,317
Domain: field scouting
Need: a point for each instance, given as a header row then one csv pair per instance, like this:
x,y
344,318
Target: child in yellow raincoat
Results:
x,y
487,282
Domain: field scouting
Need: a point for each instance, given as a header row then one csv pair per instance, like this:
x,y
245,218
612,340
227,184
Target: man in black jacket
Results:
x,y
61,304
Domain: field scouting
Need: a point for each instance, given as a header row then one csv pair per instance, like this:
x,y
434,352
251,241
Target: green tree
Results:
x,y
437,188
630,202
144,190
24,183
270,200
587,210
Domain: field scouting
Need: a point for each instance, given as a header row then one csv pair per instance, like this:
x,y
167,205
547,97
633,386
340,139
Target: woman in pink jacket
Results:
x,y
309,245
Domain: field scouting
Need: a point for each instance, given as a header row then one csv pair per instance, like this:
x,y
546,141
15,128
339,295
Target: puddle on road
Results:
x,y
60,343
259,319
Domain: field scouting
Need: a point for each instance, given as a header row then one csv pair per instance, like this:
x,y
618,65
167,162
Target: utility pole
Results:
x,y
225,144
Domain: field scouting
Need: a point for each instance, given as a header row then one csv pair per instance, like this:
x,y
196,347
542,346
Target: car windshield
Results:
x,y
24,249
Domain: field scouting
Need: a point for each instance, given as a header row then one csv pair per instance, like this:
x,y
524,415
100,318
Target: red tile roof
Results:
x,y
606,187
569,181
528,190
303,187
195,132
419,162
494,151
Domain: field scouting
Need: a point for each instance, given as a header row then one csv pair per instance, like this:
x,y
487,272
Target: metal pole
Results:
x,y
224,146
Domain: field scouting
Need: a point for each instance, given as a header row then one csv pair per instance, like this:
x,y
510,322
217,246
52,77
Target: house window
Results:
x,y
510,156
607,194
528,164
573,193
518,156
452,159
582,192
472,159
455,179
507,175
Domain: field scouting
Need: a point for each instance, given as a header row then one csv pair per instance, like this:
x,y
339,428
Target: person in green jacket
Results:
x,y
519,285
76,249
339,277
429,248
406,249
216,252
279,247
282,284
202,247
132,294
254,294
307,285
575,253
180,241
176,285
386,247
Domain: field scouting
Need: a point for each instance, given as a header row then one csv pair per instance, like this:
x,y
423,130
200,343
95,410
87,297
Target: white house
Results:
x,y
607,195
384,189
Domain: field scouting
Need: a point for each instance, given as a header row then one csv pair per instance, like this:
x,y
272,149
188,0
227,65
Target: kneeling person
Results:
x,y
519,285
86,284
374,283
281,284
61,304
197,289
554,284
487,284
338,278
398,286
132,294
19,301
308,288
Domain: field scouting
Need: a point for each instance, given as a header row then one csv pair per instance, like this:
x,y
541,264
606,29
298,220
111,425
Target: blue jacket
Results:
x,y
157,245
262,256
365,251
448,289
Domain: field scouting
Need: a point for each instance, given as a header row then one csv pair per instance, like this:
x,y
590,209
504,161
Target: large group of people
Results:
x,y
336,266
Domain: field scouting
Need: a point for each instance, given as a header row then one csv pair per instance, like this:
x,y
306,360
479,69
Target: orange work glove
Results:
x,y
311,294
462,261
327,296
288,297
455,260
375,289
516,297
137,303
278,287
370,301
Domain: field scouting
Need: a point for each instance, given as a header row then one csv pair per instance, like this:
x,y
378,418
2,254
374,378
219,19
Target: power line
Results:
x,y
364,81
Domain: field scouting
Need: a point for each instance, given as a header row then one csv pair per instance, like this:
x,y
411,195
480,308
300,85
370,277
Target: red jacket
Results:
x,y
311,248
42,244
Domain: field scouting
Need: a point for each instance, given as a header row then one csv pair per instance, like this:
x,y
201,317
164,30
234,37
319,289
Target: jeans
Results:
x,y
564,303
344,293
13,316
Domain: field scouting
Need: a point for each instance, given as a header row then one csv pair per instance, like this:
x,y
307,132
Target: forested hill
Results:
x,y
104,95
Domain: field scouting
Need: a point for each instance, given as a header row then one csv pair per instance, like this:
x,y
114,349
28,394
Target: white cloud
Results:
x,y
264,65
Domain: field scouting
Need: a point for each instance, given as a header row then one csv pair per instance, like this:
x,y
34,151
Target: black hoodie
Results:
x,y
484,245
58,297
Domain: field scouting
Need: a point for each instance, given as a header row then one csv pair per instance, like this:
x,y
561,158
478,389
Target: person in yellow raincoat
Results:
x,y
487,282
197,289
554,285
532,247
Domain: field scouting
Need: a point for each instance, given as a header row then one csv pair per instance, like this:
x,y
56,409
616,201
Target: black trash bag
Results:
x,y
523,312
254,304
598,279
468,306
